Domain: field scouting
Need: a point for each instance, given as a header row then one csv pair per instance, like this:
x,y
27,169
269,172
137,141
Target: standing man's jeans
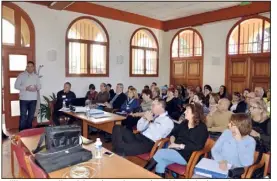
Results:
x,y
27,112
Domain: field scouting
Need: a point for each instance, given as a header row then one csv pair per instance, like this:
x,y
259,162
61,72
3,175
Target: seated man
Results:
x,y
219,120
62,95
152,128
118,99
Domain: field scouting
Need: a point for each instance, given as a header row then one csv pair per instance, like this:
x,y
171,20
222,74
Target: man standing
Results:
x,y
28,84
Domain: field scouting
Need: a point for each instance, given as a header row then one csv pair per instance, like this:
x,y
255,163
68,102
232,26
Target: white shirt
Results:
x,y
160,128
24,80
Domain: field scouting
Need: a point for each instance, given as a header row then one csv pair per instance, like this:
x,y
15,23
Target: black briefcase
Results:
x,y
52,161
63,148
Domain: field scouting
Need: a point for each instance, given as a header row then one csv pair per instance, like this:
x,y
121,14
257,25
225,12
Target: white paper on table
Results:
x,y
211,166
65,110
80,109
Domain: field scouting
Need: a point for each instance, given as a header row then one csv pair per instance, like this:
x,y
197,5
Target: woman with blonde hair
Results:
x,y
261,122
132,101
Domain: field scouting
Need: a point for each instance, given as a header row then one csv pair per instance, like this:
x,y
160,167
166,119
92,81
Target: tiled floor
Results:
x,y
6,155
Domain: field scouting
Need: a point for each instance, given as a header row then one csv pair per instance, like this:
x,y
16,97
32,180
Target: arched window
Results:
x,y
187,43
144,53
87,48
186,58
18,47
248,54
250,36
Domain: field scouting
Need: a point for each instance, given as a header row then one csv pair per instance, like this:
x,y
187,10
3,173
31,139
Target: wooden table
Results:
x,y
110,167
106,124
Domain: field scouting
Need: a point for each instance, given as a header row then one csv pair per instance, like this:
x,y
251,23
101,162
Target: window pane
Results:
x,y
17,62
25,34
144,38
185,43
266,37
15,109
137,61
233,41
151,62
77,58
12,89
98,59
174,49
251,36
8,29
197,45
87,29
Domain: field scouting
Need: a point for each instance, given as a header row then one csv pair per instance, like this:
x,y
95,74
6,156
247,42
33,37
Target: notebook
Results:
x,y
210,168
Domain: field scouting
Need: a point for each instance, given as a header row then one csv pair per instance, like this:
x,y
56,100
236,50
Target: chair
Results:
x,y
187,170
24,133
264,162
20,154
158,145
33,169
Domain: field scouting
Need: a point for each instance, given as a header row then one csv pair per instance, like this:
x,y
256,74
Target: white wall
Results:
x,y
214,36
50,27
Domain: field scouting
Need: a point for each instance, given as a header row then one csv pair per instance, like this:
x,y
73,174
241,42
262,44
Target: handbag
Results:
x,y
63,148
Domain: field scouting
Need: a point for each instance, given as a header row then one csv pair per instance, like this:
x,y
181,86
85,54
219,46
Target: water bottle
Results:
x,y
98,149
64,105
87,111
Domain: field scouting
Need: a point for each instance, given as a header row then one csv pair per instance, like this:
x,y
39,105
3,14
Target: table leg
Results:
x,y
85,129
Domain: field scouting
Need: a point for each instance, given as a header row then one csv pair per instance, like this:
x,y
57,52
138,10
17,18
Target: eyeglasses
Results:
x,y
254,107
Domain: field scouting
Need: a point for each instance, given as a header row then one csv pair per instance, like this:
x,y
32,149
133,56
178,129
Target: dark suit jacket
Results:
x,y
119,101
241,107
60,94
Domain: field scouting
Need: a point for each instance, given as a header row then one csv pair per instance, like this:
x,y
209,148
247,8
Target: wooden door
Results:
x,y
187,71
14,62
248,71
260,72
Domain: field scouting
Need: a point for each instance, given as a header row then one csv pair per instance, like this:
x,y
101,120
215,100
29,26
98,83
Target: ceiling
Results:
x,y
167,10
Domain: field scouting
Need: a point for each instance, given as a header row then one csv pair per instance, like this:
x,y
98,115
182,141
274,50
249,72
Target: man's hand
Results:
x,y
31,88
175,146
148,116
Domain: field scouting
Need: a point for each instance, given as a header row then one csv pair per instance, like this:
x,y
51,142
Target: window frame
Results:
x,y
177,35
88,43
237,24
144,49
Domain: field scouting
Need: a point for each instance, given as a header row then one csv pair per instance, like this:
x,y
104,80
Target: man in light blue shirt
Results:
x,y
152,126
28,84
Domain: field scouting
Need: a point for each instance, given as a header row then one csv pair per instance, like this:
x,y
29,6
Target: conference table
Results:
x,y
105,124
110,167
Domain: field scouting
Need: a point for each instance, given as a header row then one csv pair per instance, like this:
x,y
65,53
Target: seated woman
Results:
x,y
155,93
132,102
164,92
207,91
91,94
235,146
191,135
214,98
132,118
223,92
191,92
199,98
238,105
261,123
172,105
198,89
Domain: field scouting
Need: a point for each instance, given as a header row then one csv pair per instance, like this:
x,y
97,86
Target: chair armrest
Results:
x,y
158,145
252,169
195,156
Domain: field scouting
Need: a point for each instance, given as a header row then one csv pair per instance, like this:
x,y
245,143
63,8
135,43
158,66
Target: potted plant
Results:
x,y
45,110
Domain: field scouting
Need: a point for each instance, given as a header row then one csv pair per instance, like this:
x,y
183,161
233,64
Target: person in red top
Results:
x,y
92,93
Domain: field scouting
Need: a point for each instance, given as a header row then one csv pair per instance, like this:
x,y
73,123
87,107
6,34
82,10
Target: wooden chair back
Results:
x,y
195,157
